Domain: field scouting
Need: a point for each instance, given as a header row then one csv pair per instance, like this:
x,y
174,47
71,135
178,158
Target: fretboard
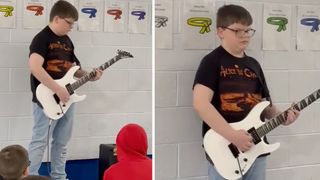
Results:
x,y
281,118
92,74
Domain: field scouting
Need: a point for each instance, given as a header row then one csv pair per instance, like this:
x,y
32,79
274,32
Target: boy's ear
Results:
x,y
25,172
55,19
220,32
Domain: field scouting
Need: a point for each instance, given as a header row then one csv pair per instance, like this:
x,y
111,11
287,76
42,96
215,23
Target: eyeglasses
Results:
x,y
69,22
241,33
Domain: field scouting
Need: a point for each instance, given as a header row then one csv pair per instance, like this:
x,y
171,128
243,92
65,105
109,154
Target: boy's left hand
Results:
x,y
292,115
98,75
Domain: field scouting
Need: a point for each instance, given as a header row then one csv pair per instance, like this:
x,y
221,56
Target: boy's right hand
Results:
x,y
63,94
242,139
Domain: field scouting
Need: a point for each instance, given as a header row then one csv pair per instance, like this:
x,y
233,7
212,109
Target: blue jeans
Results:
x,y
256,172
61,131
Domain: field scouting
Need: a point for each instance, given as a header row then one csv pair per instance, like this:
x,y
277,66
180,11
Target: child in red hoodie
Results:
x,y
132,162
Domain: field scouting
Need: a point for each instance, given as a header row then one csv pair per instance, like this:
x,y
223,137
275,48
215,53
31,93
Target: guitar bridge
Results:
x,y
254,134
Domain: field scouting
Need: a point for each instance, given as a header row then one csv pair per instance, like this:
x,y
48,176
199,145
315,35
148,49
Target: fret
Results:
x,y
259,132
311,99
262,132
277,122
265,130
268,126
318,94
296,107
282,117
274,124
303,104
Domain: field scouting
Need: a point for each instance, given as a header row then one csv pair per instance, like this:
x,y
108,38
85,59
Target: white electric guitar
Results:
x,y
226,157
52,106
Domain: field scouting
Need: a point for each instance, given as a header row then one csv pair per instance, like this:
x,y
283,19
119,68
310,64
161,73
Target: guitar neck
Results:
x,y
92,74
281,118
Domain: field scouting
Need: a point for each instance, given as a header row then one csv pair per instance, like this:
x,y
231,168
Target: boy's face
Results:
x,y
63,25
237,36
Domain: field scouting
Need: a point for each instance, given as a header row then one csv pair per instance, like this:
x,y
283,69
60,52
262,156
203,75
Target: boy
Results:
x,y
228,84
14,162
51,56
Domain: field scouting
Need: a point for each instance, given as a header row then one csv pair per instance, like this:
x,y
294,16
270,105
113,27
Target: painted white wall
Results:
x,y
121,96
291,76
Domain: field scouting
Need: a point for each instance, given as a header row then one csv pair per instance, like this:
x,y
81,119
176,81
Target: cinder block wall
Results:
x,y
121,96
291,76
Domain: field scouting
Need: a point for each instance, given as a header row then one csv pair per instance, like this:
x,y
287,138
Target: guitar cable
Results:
x,y
48,141
240,168
48,146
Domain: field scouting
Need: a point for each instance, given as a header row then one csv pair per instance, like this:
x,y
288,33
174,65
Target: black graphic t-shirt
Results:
x,y
58,54
238,84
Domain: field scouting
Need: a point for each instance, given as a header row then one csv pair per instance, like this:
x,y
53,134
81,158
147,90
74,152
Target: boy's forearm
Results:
x,y
44,78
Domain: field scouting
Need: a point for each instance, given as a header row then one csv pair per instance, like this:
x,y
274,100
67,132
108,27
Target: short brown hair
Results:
x,y
13,162
63,9
230,14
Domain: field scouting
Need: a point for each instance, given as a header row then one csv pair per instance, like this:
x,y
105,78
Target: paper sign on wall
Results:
x,y
8,9
308,34
276,27
163,24
139,17
197,24
116,16
89,15
34,14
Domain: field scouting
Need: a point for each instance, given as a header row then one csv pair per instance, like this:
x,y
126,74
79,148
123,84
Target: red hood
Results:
x,y
131,143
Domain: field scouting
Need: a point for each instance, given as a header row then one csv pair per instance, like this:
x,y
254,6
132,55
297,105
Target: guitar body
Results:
x,y
217,147
53,109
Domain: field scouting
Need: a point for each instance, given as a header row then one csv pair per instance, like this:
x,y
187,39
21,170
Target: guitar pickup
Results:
x,y
254,134
69,88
